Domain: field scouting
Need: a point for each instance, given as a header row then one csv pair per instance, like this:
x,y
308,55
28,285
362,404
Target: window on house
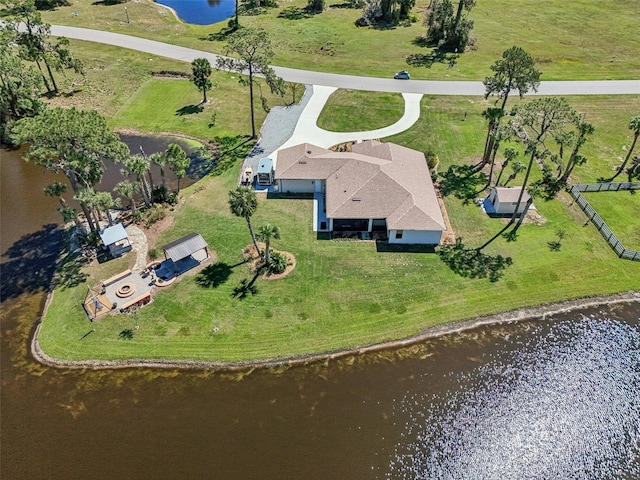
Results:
x,y
399,233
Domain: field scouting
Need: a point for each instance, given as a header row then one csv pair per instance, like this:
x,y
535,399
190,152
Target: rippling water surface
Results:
x,y
561,400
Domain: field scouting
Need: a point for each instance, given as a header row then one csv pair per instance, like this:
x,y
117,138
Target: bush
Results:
x,y
432,159
173,198
277,263
153,215
159,194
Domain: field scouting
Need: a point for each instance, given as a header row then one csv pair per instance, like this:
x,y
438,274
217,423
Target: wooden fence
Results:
x,y
602,227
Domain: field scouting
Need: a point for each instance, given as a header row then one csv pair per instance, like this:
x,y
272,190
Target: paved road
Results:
x,y
596,87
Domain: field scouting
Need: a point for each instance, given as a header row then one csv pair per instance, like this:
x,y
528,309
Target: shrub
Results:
x,y
154,253
432,159
172,199
277,263
159,194
153,215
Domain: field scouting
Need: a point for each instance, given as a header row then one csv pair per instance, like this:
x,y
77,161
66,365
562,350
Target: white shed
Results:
x,y
505,199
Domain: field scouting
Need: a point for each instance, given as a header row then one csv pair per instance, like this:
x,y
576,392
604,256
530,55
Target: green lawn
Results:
x,y
621,211
162,105
590,39
356,110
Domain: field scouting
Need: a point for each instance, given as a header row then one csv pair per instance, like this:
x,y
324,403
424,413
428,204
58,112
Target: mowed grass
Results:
x,y
621,211
356,110
347,294
582,39
163,104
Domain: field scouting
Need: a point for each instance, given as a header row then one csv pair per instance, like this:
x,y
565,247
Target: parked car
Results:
x,y
403,75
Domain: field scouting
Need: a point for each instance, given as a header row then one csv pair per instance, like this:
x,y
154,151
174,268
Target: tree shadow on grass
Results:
x,y
214,275
437,55
245,288
296,13
345,5
69,273
190,110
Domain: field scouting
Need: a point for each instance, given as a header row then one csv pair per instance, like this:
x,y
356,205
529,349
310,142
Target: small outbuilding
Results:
x,y
115,240
265,171
186,252
505,199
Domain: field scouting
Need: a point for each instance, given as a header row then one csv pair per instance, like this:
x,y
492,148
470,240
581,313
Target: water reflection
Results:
x,y
559,401
201,12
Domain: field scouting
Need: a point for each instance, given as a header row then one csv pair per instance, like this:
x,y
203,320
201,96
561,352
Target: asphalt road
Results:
x,y
429,87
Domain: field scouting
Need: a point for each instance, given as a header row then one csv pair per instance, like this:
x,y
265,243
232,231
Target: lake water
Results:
x,y
549,399
201,12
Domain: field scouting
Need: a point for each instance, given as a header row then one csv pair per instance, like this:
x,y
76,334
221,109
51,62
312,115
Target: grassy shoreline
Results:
x,y
525,314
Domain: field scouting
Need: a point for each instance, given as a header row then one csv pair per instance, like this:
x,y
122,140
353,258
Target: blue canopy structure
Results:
x,y
114,234
115,240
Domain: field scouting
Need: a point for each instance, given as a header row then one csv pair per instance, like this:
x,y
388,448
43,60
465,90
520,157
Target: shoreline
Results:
x,y
529,313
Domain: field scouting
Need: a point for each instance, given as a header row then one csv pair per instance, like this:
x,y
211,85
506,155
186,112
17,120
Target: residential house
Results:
x,y
377,187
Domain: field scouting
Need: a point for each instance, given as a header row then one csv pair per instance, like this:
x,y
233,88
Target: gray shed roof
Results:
x,y
185,246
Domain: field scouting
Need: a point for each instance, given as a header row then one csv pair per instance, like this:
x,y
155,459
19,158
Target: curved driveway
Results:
x,y
429,87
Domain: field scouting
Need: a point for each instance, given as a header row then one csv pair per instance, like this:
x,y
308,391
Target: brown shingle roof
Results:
x,y
374,180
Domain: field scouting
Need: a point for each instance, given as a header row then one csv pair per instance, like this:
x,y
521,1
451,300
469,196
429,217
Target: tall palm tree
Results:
x,y
509,155
138,165
243,203
516,168
634,125
128,189
493,115
178,161
265,233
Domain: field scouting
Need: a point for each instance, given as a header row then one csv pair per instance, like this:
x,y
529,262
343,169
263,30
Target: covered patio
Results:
x,y
182,255
115,240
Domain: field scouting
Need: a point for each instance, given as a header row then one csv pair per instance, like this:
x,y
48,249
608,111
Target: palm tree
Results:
x,y
634,125
265,233
160,160
87,197
509,155
138,165
493,115
177,160
243,203
128,189
105,202
516,168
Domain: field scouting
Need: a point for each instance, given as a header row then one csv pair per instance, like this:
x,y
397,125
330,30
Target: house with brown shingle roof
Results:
x,y
377,187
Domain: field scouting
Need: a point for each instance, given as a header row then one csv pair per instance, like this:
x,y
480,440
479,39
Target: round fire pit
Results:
x,y
125,290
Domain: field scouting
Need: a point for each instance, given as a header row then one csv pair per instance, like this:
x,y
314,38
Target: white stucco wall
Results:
x,y
508,208
296,186
426,237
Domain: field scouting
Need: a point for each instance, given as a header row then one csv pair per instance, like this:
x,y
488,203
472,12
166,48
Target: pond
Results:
x,y
201,12
543,399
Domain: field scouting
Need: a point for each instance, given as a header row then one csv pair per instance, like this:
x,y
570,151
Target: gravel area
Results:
x,y
277,129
